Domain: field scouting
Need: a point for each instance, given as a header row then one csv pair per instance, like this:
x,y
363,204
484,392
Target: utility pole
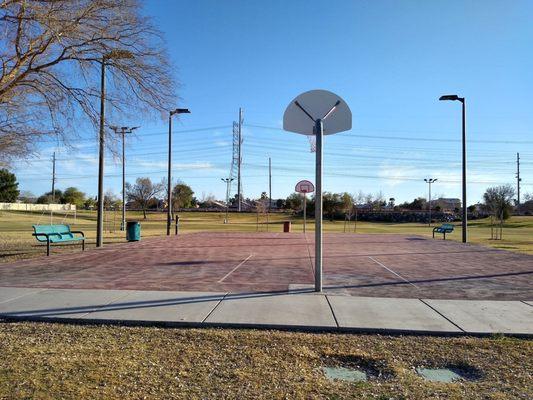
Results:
x,y
518,179
269,184
123,131
239,183
429,181
54,177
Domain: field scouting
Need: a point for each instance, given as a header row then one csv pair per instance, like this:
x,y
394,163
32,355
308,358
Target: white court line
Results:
x,y
233,270
390,270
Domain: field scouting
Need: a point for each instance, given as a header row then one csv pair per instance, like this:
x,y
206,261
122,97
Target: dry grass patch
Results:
x,y
51,361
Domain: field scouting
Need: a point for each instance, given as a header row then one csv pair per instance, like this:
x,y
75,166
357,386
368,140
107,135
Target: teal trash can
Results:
x,y
133,231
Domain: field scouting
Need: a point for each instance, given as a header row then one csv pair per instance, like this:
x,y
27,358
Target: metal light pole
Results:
x,y
429,181
101,151
115,54
228,182
454,97
169,183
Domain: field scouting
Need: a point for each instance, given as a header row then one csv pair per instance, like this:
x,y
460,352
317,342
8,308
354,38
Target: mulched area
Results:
x,y
380,265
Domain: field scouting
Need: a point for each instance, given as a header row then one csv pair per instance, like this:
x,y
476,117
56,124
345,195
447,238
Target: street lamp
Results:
x,y
123,131
454,97
169,183
228,182
429,181
112,55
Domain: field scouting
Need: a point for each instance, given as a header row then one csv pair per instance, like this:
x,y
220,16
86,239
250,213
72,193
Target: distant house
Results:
x,y
446,204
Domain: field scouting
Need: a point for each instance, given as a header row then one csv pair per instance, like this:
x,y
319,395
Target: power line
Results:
x,y
407,137
157,133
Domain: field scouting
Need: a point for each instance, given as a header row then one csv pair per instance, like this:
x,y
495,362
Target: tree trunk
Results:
x,y
501,226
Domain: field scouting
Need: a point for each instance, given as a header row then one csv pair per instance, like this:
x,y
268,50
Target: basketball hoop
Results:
x,y
317,113
304,187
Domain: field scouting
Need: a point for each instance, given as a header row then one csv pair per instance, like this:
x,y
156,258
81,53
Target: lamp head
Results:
x,y
180,111
452,97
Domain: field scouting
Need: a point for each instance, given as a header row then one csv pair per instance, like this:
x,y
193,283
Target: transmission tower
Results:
x,y
239,181
234,167
234,181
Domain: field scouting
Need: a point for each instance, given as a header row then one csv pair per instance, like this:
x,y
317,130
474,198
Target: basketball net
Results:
x,y
312,142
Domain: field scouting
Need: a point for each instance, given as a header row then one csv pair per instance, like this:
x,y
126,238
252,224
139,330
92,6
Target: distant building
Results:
x,y
446,204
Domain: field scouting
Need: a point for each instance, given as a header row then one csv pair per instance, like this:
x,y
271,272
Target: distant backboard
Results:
x,y
317,103
304,187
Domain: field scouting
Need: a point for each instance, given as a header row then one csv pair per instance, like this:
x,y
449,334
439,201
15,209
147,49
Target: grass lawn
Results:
x,y
16,241
52,361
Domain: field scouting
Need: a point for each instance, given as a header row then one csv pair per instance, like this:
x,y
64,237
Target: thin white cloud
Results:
x,y
394,175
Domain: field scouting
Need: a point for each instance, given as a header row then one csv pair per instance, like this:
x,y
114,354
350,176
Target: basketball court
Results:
x,y
376,265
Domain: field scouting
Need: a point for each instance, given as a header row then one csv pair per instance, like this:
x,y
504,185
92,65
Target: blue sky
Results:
x,y
389,60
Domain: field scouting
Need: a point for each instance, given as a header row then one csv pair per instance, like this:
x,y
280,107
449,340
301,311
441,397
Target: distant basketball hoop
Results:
x,y
304,187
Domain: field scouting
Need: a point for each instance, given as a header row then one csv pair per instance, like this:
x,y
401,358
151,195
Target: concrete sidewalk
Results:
x,y
302,310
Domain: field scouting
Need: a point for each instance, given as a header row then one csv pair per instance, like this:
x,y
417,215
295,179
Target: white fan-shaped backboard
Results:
x,y
304,187
317,103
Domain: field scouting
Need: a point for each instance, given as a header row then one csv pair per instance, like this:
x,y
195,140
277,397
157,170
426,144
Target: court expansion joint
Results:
x,y
215,307
443,316
332,312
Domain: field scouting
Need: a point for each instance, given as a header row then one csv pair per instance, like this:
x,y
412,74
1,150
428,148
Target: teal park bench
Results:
x,y
444,229
57,234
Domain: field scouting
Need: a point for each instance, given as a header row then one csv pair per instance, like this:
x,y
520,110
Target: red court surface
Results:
x,y
359,265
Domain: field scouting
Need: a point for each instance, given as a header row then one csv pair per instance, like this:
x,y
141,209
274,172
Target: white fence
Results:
x,y
37,207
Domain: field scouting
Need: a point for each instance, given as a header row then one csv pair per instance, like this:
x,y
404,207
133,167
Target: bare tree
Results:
x,y
261,208
51,54
143,191
347,207
498,200
360,197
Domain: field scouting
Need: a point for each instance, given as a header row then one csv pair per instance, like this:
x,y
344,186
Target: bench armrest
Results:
x,y
436,229
80,232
